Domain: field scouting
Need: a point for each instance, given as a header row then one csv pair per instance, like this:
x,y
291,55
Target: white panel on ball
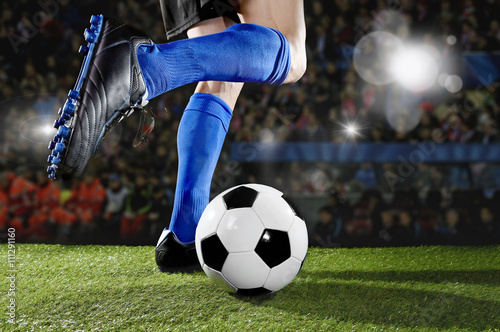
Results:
x,y
274,211
298,239
209,220
257,187
219,279
283,274
245,270
240,230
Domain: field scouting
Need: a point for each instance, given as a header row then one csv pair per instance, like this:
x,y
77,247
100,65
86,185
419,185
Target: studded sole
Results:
x,y
58,146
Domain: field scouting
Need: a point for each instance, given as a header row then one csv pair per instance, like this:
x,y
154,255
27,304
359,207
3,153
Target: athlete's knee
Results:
x,y
269,49
298,63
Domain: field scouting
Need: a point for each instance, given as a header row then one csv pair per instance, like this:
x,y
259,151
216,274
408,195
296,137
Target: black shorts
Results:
x,y
180,15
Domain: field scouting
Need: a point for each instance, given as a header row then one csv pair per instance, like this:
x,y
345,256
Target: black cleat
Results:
x,y
109,88
174,256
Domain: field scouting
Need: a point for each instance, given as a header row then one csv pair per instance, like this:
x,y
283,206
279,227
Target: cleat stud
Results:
x,y
57,124
60,112
52,145
69,107
59,148
83,50
72,94
50,158
95,19
56,161
90,36
63,132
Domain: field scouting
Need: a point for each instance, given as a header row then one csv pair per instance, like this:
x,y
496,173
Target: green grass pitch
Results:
x,y
117,288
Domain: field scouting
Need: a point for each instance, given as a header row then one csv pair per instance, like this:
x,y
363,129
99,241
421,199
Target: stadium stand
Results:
x,y
391,201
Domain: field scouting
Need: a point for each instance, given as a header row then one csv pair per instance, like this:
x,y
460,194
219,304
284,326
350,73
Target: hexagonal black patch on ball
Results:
x,y
253,291
214,253
273,247
240,197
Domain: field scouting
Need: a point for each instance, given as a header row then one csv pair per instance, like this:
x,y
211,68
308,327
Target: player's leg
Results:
x,y
201,134
286,16
122,64
200,124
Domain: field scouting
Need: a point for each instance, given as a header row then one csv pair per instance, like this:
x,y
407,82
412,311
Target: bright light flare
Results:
x,y
414,68
351,130
371,55
47,130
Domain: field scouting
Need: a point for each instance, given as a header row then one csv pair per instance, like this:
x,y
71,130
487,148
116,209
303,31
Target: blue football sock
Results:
x,y
201,134
241,53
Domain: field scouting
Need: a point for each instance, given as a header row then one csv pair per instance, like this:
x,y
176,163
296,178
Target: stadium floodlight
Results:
x,y
414,68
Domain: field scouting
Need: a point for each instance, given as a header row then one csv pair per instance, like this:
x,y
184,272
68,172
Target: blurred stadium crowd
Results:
x,y
126,194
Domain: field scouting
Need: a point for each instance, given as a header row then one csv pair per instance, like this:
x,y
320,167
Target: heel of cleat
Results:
x,y
59,144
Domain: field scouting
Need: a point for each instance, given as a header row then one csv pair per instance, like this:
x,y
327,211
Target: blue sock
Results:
x,y
241,53
201,134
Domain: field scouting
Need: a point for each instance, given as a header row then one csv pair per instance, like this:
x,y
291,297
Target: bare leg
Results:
x,y
197,161
287,16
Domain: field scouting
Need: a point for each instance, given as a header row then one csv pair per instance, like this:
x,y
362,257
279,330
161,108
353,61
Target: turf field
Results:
x,y
94,288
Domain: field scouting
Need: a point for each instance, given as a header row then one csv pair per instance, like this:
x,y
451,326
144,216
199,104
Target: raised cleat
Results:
x,y
109,88
172,255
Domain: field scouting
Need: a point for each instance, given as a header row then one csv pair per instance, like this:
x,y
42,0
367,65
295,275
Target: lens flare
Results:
x,y
414,68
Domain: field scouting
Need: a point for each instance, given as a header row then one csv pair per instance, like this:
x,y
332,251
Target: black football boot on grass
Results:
x,y
109,88
171,255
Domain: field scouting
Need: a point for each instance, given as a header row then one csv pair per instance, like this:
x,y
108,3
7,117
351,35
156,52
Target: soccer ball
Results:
x,y
250,241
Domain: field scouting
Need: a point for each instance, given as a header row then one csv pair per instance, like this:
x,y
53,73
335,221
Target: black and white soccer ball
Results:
x,y
250,241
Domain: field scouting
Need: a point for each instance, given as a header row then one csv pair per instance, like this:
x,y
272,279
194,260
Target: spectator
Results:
x,y
327,230
47,198
361,223
489,132
366,176
20,197
338,205
137,207
488,228
116,193
87,202
452,231
468,133
159,214
398,227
